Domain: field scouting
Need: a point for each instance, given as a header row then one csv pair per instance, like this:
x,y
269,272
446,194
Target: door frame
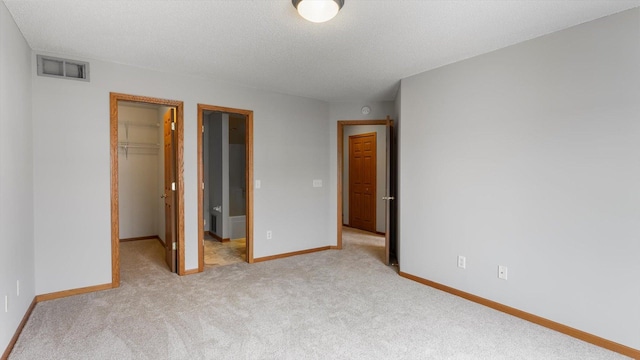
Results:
x,y
248,173
114,98
340,133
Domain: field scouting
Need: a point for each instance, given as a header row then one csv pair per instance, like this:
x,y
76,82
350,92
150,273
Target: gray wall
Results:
x,y
72,180
397,165
16,183
206,154
224,174
224,169
218,170
237,180
381,163
528,157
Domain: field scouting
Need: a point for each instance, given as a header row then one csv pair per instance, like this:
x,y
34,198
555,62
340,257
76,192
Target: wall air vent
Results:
x,y
63,68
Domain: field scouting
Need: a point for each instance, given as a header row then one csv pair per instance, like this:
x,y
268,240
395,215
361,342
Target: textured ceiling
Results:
x,y
359,55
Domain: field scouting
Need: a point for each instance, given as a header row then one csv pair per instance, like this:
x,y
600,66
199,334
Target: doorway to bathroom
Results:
x,y
225,199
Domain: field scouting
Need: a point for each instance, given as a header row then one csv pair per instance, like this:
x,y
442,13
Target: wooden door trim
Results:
x,y
248,172
115,216
341,125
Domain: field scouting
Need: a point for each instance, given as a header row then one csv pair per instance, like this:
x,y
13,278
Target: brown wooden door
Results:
x,y
362,181
169,190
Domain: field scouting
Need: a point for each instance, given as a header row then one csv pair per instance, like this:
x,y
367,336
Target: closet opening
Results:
x,y
147,192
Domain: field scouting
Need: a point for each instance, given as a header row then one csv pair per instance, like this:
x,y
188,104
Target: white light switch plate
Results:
x,y
317,183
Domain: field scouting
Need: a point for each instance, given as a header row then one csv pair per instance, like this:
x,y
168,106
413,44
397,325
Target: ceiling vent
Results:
x,y
63,68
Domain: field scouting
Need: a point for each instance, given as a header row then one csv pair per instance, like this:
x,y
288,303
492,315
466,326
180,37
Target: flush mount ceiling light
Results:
x,y
318,11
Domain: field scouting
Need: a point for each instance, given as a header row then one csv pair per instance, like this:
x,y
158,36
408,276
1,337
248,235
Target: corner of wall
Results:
x,y
17,259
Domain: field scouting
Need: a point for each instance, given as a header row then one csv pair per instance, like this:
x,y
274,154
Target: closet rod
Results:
x,y
133,123
130,123
125,146
138,145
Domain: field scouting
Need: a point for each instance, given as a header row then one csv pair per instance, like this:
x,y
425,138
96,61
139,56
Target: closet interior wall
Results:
x,y
140,170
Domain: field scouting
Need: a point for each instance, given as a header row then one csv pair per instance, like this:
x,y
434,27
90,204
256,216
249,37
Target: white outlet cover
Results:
x,y
258,184
462,262
502,272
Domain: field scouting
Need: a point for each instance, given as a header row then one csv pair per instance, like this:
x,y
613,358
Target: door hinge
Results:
x,y
202,186
203,129
173,186
173,126
174,246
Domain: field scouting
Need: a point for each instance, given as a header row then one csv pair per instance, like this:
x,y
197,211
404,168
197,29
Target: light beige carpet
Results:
x,y
337,304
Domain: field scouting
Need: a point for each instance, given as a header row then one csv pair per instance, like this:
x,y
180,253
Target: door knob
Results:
x,y
388,198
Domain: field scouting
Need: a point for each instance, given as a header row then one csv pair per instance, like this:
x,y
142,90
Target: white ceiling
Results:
x,y
360,55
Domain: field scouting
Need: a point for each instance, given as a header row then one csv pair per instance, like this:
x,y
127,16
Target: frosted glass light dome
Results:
x,y
318,11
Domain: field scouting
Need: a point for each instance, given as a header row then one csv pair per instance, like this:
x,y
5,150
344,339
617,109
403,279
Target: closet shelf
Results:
x,y
126,146
127,124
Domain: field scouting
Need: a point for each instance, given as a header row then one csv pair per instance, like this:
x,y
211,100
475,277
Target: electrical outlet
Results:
x,y
269,235
502,272
317,183
462,262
